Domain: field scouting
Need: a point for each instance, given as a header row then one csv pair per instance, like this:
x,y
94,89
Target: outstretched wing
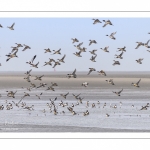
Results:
x,y
74,72
121,54
120,91
12,25
138,82
33,58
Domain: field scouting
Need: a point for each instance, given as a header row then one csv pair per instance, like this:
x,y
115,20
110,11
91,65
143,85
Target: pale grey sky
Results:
x,y
55,33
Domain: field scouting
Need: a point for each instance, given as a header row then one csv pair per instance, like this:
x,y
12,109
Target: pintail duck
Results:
x,y
31,62
139,44
28,72
39,96
64,95
102,72
28,78
146,44
78,54
118,93
72,75
80,99
92,41
32,85
11,56
34,65
74,40
76,96
54,84
47,50
105,49
74,113
110,81
119,56
93,52
82,49
11,93
57,52
116,63
78,46
86,113
85,84
56,63
25,95
29,107
96,21
72,105
47,63
14,49
112,35
107,22
11,27
19,45
91,69
70,109
139,60
62,59
93,105
93,58
122,49
1,107
42,85
136,84
50,88
107,115
26,47
39,78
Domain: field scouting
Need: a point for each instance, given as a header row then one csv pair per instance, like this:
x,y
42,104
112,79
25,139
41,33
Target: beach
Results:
x,y
127,116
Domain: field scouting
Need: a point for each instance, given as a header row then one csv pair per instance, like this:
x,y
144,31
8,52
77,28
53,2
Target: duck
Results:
x,y
136,84
11,56
11,27
50,88
76,96
107,22
57,52
139,60
119,56
64,95
19,45
78,54
118,93
26,47
96,21
72,75
47,50
92,41
93,58
112,35
110,81
56,63
102,72
91,69
39,77
116,63
93,52
85,84
74,40
139,44
105,49
62,59
122,49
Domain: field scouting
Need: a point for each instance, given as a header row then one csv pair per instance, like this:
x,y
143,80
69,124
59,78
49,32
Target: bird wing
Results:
x,y
105,25
89,72
12,25
121,54
138,46
120,91
138,82
33,58
74,72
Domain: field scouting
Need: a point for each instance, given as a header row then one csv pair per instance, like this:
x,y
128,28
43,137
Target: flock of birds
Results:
x,y
52,105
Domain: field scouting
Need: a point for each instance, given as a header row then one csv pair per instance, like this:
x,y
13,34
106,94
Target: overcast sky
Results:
x,y
55,33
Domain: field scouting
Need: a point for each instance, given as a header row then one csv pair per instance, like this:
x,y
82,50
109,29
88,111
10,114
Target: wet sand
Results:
x,y
123,119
